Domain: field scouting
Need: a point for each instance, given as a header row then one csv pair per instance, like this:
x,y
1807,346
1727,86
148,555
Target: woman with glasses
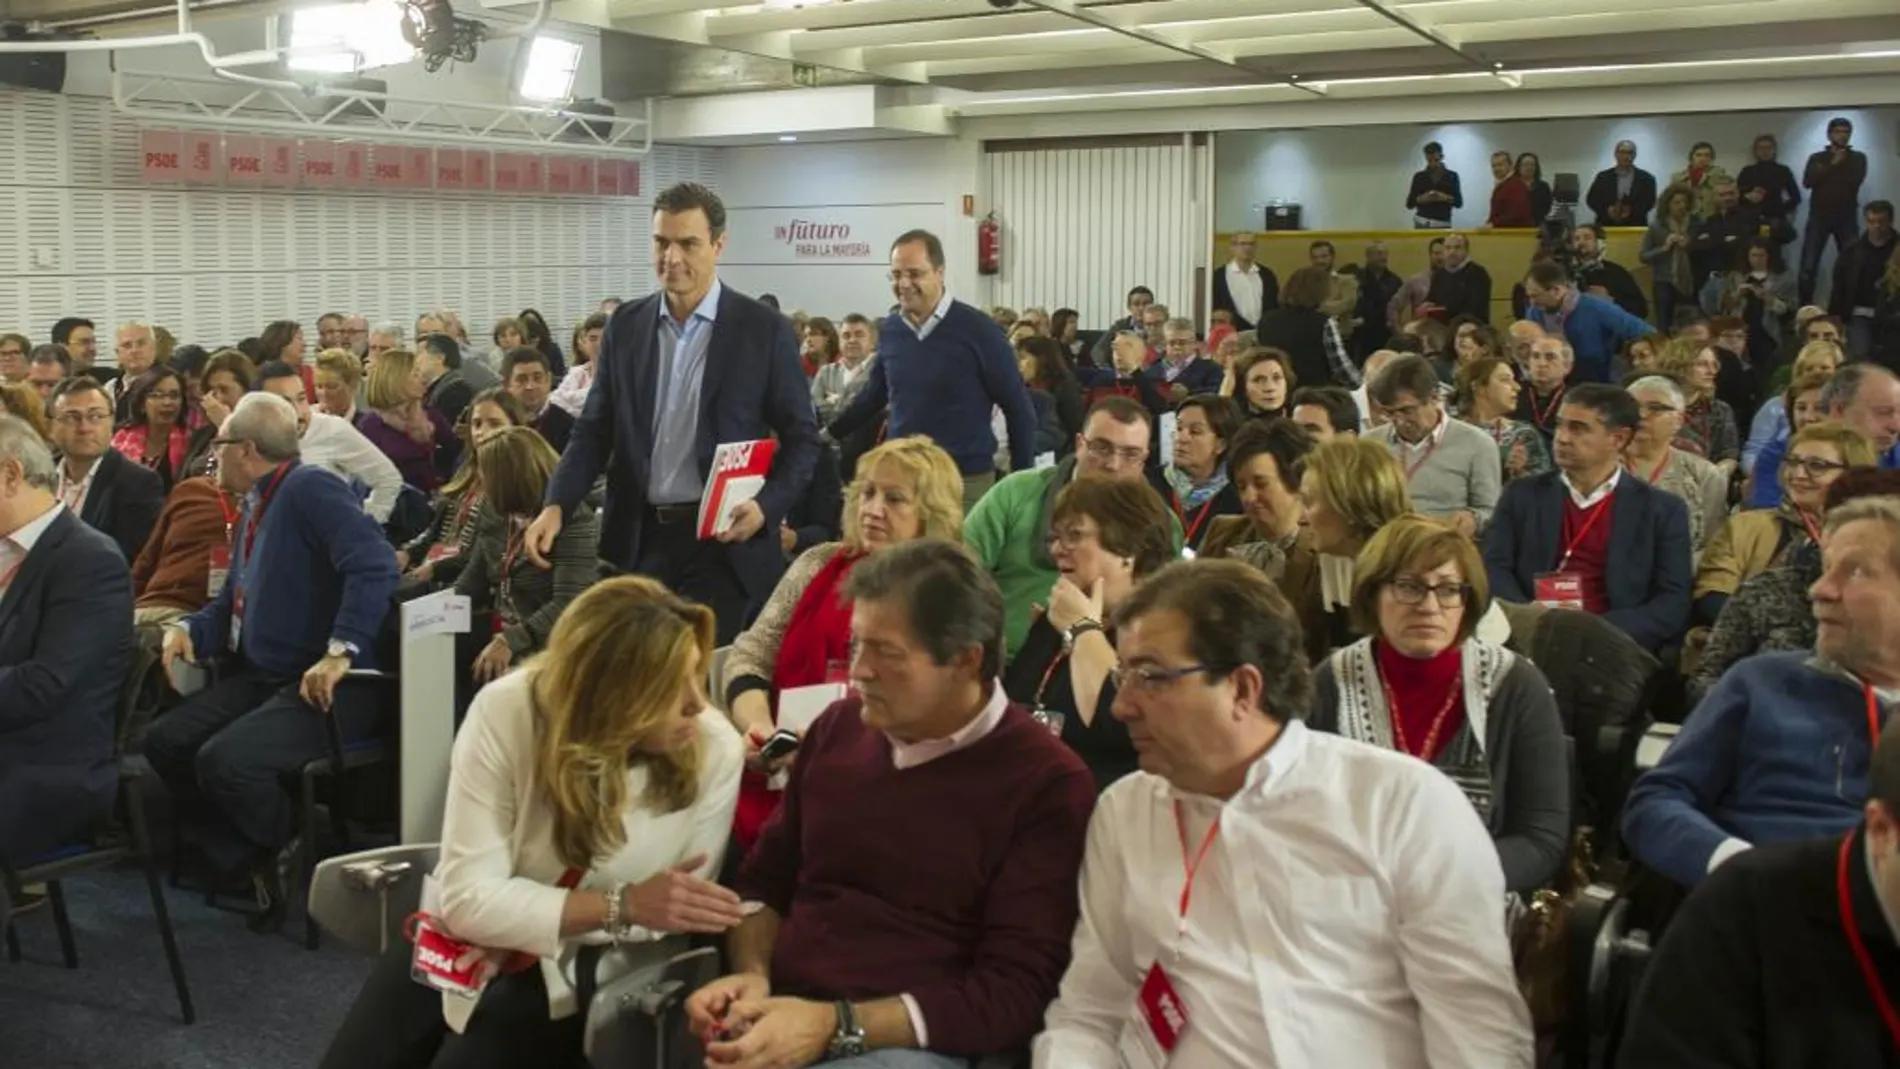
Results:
x,y
905,489
1424,684
1754,541
157,437
1196,484
1106,535
1654,457
1801,408
1708,426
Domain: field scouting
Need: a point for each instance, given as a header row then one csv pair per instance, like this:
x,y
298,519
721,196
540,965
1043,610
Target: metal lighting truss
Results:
x,y
346,113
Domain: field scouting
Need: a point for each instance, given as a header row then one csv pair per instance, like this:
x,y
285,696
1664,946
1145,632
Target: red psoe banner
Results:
x,y
161,156
352,165
386,170
507,172
584,180
418,167
448,168
533,174
201,154
478,169
607,178
244,161
319,164
560,175
280,161
629,178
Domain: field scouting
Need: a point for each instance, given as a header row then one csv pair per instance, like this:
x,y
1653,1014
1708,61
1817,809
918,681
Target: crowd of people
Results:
x,y
1134,698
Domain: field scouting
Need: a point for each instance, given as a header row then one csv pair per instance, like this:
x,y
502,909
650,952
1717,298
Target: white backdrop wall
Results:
x,y
876,189
1355,178
85,236
1082,226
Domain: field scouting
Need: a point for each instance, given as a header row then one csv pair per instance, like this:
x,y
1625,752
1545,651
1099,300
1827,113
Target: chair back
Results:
x,y
142,694
640,1019
716,677
363,898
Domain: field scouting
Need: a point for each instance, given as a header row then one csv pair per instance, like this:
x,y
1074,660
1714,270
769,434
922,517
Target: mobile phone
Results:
x,y
783,743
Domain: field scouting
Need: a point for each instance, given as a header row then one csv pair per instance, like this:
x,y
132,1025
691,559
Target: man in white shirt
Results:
x,y
1245,289
1261,896
333,444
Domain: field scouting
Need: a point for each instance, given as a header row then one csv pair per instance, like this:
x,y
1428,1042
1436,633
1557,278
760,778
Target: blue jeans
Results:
x,y
900,1059
1844,230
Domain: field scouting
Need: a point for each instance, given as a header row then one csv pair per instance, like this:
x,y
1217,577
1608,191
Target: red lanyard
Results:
x,y
263,502
1180,513
1430,749
516,539
1412,468
462,510
1048,674
1543,416
1656,472
1191,864
1596,513
230,512
1858,945
1873,717
1814,530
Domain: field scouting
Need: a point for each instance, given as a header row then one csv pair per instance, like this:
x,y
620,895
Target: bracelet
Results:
x,y
616,930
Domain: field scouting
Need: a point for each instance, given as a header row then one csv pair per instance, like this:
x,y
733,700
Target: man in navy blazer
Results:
x,y
682,372
1638,574
110,493
65,647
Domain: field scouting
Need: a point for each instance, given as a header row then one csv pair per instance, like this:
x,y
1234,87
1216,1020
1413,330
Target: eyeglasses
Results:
x,y
1412,592
1814,467
1070,537
1147,678
223,441
74,419
1103,449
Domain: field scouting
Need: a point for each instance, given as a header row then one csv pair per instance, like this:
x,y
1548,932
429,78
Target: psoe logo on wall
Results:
x,y
813,240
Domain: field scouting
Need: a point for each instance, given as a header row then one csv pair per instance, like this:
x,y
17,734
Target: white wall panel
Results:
x,y
83,235
1082,226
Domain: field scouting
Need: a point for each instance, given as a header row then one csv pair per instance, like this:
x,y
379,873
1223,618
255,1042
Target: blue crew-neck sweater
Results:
x,y
319,569
944,387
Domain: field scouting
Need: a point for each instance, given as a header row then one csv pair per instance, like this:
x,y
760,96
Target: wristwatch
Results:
x,y
848,1040
340,648
1077,630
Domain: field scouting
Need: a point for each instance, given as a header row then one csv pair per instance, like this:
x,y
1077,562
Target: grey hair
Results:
x,y
951,600
1626,143
1156,306
1570,354
391,330
1179,325
143,328
1663,383
19,441
1882,507
1844,387
268,422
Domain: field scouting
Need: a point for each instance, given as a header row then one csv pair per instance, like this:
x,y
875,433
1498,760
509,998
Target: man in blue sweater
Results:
x,y
1595,327
309,582
943,367
1780,749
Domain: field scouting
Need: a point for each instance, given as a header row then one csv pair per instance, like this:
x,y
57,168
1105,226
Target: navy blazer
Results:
x,y
65,647
753,388
124,502
1650,575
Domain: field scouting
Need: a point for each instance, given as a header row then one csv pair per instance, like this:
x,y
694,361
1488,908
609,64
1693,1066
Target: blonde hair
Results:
x,y
623,659
343,364
514,468
1811,355
935,482
388,385
22,400
1855,450
1417,544
1676,358
1360,480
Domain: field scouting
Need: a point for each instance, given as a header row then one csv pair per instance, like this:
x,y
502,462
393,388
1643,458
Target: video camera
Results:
x,y
1555,232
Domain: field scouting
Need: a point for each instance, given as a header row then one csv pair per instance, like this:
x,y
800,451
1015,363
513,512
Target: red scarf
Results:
x,y
820,629
1421,687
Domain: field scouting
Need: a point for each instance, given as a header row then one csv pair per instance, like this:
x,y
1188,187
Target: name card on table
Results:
x,y
446,613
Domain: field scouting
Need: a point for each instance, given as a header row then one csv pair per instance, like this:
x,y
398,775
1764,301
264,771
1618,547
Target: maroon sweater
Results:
x,y
953,881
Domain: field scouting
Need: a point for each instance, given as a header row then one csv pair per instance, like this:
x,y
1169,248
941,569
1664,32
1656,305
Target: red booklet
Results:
x,y
738,474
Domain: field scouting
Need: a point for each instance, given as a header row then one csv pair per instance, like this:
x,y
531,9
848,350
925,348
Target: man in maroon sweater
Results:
x,y
917,887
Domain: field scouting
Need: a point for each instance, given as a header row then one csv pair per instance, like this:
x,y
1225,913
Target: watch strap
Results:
x,y
848,1040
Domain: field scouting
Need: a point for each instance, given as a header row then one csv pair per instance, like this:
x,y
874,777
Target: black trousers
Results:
x,y
223,751
397,1023
702,571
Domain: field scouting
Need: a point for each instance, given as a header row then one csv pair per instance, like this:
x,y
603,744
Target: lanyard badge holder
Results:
x,y
455,966
1563,589
1160,1017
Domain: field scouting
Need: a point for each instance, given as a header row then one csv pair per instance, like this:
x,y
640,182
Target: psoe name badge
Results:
x,y
1159,1021
1560,590
441,961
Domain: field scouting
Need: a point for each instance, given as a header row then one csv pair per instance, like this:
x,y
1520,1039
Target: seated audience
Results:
x,y
46,367
1472,340
837,383
339,379
1547,364
227,376
1866,397
907,488
1350,489
335,445
1324,866
187,560
1802,408
1262,382
1486,398
571,394
1779,749
524,373
1653,457
437,555
520,598
23,402
1424,684
1708,429
310,585
282,342
1182,371
818,517
1555,536
157,437
449,382
1752,542
65,648
589,796
1766,962
1110,534
1326,412
1046,370
415,435
866,942
1771,419
111,494
1268,460
1009,529
1196,483
1450,467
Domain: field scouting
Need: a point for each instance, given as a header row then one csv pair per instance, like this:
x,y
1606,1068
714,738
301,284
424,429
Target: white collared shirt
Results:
x,y
73,495
1584,501
1412,452
15,548
1247,289
335,445
1349,913
922,330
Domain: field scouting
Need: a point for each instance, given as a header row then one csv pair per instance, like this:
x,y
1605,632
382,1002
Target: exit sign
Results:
x,y
804,75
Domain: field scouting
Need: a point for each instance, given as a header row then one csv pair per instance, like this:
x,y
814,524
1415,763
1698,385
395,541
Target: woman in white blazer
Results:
x,y
591,794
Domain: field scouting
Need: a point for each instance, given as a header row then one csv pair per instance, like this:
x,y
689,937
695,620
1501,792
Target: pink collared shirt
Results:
x,y
911,754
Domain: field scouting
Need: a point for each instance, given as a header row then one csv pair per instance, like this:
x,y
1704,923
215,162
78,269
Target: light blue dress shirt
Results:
x,y
673,477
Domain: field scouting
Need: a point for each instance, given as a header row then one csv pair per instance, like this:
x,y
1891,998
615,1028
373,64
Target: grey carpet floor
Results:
x,y
263,1001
